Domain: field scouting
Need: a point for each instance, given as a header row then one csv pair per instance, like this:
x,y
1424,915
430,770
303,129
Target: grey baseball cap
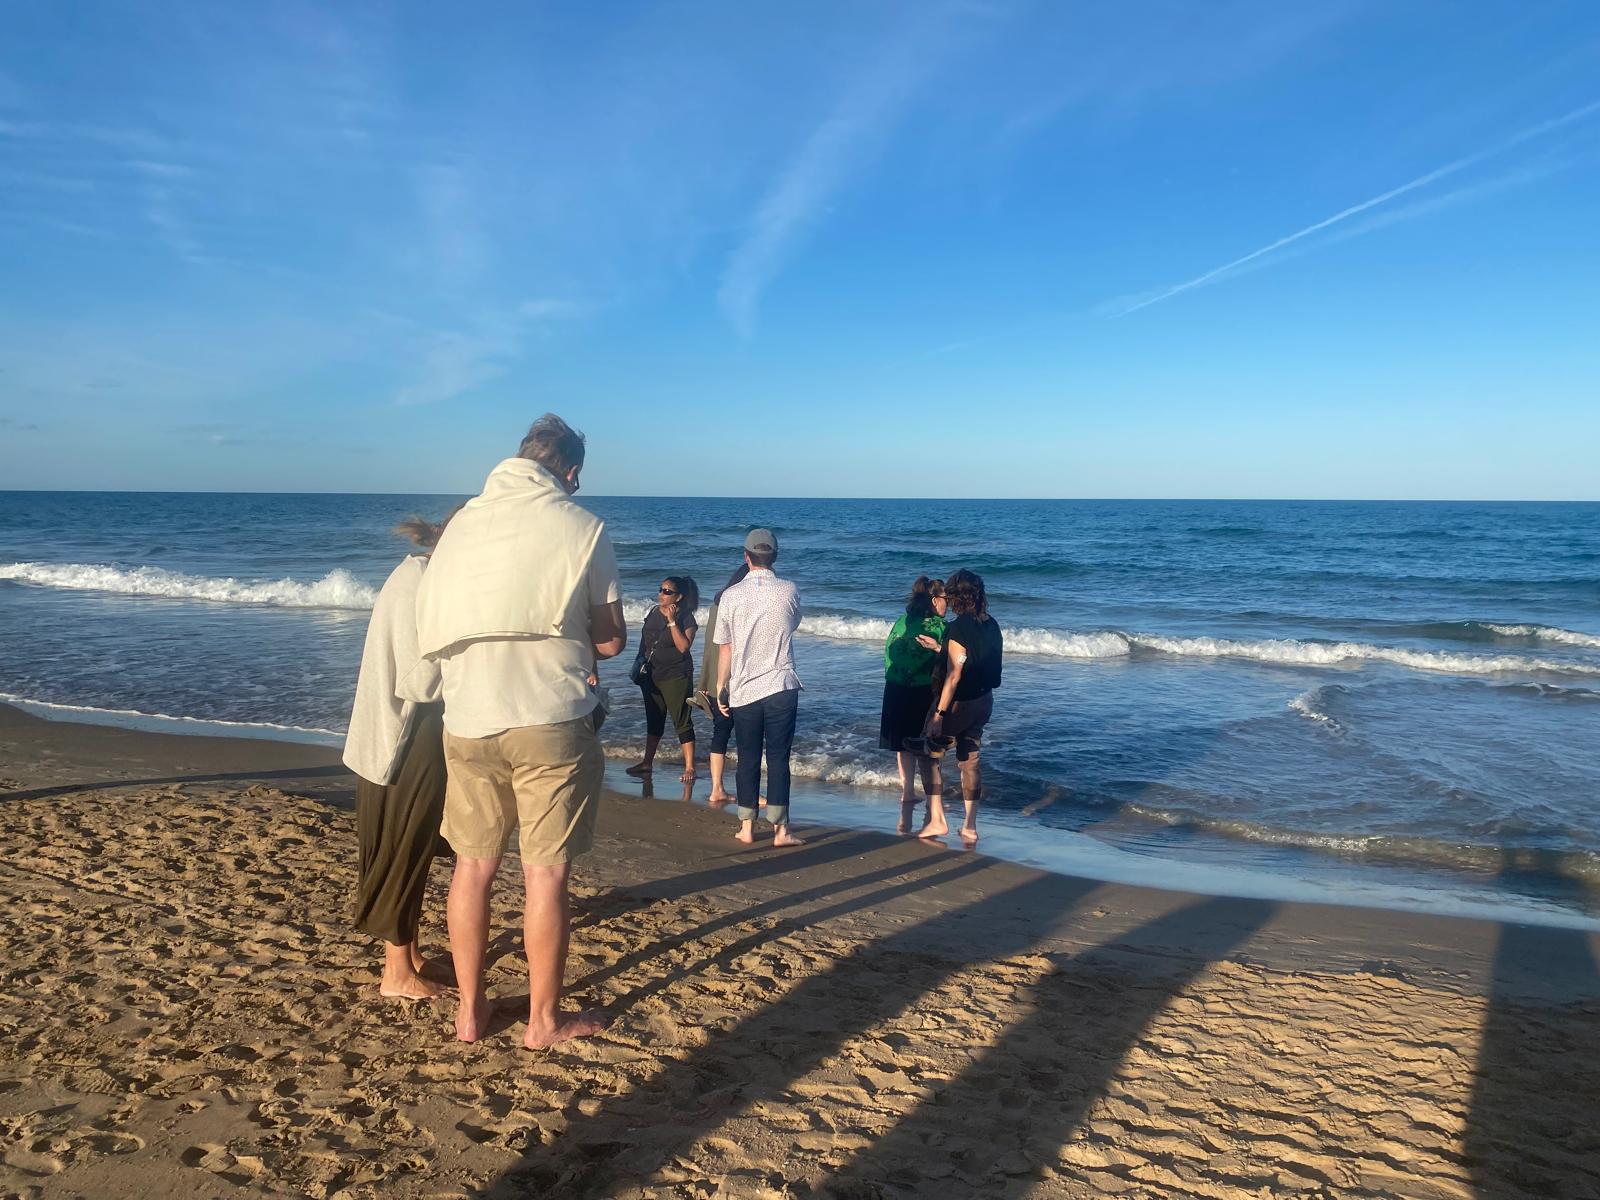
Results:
x,y
763,540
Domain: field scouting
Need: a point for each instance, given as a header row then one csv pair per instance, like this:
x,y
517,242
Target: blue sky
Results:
x,y
1265,249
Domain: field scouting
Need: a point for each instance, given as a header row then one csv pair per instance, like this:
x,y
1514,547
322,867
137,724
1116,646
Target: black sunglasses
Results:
x,y
668,592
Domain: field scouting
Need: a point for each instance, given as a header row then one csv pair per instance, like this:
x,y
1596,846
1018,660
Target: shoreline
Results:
x,y
862,1016
1117,851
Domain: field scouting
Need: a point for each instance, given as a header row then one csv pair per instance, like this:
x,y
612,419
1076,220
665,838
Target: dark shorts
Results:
x,y
965,723
668,699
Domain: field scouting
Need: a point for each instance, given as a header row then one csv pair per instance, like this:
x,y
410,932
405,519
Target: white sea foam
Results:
x,y
1333,654
1051,644
826,765
1548,633
845,629
1306,705
337,589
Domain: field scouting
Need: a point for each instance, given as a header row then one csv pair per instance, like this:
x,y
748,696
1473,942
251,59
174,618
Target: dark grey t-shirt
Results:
x,y
666,660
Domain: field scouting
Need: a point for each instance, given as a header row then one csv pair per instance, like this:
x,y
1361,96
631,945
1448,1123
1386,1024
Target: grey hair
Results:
x,y
553,444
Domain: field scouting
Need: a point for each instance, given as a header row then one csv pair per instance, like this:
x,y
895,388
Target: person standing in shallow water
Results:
x,y
757,685
970,669
395,745
706,696
909,656
664,645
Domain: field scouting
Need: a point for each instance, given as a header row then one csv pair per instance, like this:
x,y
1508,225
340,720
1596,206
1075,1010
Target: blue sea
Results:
x,y
1391,704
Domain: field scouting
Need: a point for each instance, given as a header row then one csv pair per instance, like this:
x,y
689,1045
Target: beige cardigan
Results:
x,y
509,563
394,679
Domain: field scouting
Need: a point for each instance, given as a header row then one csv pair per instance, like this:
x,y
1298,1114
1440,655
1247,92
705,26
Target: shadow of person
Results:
x,y
1011,1112
756,1060
1535,1110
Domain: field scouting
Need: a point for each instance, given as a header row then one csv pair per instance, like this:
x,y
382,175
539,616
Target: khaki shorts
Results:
x,y
544,778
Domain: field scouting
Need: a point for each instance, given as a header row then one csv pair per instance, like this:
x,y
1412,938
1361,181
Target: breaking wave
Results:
x,y
1547,633
337,589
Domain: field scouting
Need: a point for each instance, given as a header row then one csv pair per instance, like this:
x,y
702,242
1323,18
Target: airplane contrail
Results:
x,y
1433,176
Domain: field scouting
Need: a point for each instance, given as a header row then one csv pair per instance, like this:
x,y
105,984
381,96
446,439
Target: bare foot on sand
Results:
x,y
969,835
567,1027
411,988
934,829
908,809
718,799
639,768
784,838
745,834
472,1024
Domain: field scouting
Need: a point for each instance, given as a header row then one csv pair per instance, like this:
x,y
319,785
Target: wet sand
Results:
x,y
185,1012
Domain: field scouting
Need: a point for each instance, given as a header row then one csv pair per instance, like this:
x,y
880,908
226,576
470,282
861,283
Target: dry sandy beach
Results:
x,y
185,1013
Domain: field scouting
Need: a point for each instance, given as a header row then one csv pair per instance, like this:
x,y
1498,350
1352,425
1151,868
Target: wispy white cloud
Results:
x,y
846,139
457,361
1133,304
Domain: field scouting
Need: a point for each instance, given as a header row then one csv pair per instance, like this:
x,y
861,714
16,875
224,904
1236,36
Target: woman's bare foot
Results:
x,y
567,1027
689,775
411,987
908,810
639,768
784,838
746,832
934,829
472,1024
718,798
969,835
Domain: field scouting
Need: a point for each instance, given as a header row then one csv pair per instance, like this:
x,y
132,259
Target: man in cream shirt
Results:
x,y
521,597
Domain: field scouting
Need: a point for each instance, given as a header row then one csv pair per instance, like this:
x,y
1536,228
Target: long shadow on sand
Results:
x,y
1534,1125
333,771
1014,1108
781,1042
913,877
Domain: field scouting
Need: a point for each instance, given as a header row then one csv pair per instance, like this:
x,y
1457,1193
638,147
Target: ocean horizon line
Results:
x,y
1439,500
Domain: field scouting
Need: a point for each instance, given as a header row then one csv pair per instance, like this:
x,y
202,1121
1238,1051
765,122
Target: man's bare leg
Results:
x,y
971,791
544,937
646,764
719,794
468,914
400,978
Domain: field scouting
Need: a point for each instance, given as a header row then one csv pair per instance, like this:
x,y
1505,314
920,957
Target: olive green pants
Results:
x,y
397,829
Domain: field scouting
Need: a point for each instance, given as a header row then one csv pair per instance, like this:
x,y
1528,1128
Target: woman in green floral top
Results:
x,y
908,660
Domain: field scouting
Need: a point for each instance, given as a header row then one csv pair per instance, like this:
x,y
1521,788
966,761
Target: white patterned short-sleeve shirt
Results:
x,y
756,619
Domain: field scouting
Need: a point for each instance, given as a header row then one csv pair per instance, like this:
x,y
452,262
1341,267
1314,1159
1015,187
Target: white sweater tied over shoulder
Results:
x,y
509,564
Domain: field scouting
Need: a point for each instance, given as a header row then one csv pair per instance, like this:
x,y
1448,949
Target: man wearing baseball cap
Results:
x,y
756,682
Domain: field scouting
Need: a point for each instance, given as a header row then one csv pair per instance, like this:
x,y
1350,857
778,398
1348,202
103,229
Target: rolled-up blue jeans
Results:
x,y
767,724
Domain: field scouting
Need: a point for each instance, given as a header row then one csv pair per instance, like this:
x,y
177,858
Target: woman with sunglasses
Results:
x,y
667,674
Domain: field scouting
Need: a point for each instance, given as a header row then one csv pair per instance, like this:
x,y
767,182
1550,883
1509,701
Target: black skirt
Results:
x,y
905,711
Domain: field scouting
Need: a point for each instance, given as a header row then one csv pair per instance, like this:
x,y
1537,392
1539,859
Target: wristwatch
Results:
x,y
941,712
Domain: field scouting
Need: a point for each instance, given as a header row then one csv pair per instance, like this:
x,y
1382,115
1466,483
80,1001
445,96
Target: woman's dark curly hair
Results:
x,y
964,591
923,593
688,591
